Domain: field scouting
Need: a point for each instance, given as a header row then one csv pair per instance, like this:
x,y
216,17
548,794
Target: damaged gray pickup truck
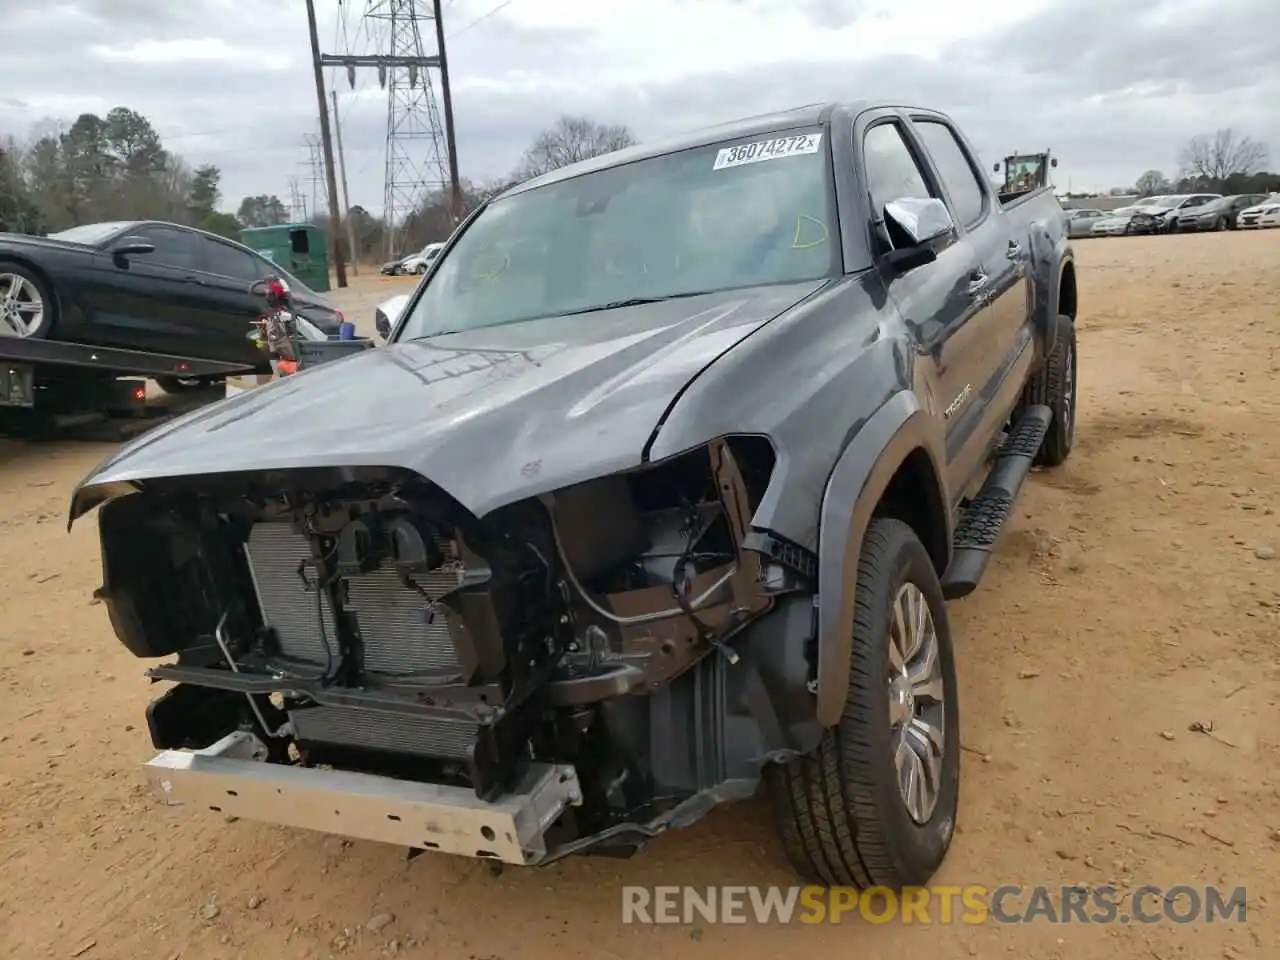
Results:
x,y
656,492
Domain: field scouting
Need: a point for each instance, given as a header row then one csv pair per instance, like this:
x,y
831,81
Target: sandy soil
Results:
x,y
1130,600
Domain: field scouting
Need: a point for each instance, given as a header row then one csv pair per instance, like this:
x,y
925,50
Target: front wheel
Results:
x,y
875,803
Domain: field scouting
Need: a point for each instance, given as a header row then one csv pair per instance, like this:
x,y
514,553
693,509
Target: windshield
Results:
x,y
729,215
91,233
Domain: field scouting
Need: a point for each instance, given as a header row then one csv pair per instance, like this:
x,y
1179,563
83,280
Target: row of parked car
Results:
x,y
1178,213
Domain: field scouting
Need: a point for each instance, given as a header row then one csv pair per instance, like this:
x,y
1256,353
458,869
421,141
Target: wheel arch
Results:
x,y
1065,301
891,467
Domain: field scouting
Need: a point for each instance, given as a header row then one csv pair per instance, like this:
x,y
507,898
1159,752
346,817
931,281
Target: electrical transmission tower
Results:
x,y
315,169
297,202
421,156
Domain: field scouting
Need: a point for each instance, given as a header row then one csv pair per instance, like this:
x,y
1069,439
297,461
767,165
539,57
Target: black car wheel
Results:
x,y
27,306
1222,224
875,803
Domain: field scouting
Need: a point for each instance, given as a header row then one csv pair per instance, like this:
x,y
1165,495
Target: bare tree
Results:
x,y
1213,159
1151,183
569,140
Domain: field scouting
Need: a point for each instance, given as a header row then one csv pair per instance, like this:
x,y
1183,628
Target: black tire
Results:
x,y
1222,224
1054,385
49,315
840,812
420,269
178,385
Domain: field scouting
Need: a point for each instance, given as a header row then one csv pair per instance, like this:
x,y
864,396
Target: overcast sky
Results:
x,y
1114,88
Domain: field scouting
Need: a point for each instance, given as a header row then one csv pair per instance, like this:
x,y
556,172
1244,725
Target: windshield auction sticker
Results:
x,y
762,150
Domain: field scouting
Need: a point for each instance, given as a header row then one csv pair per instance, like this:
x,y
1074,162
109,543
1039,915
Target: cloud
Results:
x,y
1113,89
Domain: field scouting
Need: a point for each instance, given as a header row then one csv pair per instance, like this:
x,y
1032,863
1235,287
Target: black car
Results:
x,y
1218,214
143,285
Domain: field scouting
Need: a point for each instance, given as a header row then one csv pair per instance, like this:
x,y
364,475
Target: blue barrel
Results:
x,y
346,330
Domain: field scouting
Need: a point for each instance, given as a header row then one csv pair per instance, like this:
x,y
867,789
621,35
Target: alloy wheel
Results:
x,y
916,703
21,306
1069,393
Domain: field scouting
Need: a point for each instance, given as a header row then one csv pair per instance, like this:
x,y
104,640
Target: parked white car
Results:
x,y
1265,214
1162,217
419,262
1116,222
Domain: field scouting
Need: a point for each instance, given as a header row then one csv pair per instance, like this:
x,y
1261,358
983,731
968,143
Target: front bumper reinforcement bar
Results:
x,y
229,778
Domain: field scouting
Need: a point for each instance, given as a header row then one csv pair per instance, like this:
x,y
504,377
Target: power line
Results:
x,y
482,18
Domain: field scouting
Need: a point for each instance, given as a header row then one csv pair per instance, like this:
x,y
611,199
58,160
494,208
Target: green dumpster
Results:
x,y
299,248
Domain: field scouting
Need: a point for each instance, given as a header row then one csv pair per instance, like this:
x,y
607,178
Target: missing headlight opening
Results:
x,y
373,625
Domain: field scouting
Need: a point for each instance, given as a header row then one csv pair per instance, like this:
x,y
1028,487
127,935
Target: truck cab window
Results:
x,y
952,163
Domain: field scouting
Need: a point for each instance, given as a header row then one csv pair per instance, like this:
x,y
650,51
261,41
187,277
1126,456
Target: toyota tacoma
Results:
x,y
656,493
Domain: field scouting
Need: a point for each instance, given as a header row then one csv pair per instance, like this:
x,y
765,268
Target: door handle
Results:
x,y
1015,250
192,278
977,284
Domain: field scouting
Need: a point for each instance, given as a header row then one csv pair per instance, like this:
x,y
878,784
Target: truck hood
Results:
x,y
492,416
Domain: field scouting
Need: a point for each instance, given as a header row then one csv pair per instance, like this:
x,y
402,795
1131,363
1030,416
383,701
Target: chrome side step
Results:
x,y
230,778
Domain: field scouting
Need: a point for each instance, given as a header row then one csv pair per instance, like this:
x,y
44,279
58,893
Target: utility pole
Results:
x,y
455,188
335,222
346,196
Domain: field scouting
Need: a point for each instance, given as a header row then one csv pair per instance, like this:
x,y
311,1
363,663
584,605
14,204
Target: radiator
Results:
x,y
396,634
371,730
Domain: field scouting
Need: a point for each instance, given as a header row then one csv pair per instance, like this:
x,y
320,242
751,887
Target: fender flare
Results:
x,y
860,477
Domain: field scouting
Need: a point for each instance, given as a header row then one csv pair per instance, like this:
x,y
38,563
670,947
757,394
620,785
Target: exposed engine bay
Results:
x,y
362,621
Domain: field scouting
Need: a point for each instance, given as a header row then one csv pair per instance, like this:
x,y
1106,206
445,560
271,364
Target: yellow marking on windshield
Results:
x,y
795,240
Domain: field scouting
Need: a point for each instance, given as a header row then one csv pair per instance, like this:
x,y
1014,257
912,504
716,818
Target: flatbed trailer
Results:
x,y
52,385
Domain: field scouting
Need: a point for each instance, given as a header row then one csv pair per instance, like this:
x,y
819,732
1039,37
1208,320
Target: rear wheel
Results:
x,y
27,308
875,803
1055,387
1222,224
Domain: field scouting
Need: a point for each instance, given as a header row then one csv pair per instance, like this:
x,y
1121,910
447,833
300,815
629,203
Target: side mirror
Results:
x,y
388,312
923,220
1053,161
995,168
130,246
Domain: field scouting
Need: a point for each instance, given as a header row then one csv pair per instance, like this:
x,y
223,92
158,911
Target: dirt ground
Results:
x,y
1131,599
